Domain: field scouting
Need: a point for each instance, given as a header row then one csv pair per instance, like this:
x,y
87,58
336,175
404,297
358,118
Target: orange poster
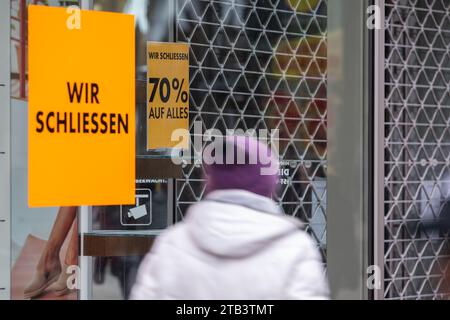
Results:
x,y
81,124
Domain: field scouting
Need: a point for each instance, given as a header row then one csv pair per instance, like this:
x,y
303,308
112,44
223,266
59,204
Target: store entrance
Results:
x,y
253,66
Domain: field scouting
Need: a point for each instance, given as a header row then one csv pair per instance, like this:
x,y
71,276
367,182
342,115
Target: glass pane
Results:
x,y
113,277
36,233
152,196
19,42
152,24
253,65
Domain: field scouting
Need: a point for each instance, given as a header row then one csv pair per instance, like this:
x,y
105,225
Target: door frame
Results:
x,y
350,153
5,148
379,174
84,225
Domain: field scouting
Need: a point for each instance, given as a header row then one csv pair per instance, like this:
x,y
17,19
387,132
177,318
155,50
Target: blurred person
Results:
x,y
51,273
236,243
434,226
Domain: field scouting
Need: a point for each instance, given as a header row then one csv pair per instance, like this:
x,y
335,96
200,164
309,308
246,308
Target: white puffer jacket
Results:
x,y
233,245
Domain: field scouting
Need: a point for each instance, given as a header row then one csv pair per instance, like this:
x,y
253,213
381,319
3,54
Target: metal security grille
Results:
x,y
261,64
417,148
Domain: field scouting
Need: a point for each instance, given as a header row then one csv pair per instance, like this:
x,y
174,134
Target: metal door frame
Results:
x,y
350,174
378,183
5,155
84,226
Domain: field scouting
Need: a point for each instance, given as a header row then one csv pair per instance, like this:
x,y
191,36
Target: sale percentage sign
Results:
x,y
165,89
177,87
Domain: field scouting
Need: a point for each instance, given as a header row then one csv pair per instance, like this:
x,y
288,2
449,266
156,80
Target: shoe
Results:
x,y
40,282
59,287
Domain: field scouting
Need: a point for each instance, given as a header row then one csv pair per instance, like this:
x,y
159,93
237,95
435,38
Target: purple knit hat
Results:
x,y
244,163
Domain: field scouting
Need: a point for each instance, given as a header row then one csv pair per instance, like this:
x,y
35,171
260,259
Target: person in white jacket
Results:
x,y
234,244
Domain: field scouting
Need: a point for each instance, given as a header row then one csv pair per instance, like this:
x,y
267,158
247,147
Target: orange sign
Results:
x,y
81,124
167,95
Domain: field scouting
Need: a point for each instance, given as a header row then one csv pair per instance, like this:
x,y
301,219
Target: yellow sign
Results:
x,y
81,125
167,95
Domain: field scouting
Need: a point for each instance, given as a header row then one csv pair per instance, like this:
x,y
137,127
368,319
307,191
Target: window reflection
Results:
x,y
19,42
152,20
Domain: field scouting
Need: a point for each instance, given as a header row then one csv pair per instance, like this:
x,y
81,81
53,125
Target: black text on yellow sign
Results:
x,y
167,95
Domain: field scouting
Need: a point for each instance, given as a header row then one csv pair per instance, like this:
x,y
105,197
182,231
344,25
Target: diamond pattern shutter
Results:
x,y
417,147
260,64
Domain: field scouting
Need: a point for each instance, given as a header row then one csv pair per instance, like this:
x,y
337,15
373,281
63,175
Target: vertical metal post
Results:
x,y
348,243
172,19
85,277
5,154
171,187
23,48
84,226
171,205
378,187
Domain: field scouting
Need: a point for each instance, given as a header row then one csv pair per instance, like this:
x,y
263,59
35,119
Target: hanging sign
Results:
x,y
81,124
167,95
